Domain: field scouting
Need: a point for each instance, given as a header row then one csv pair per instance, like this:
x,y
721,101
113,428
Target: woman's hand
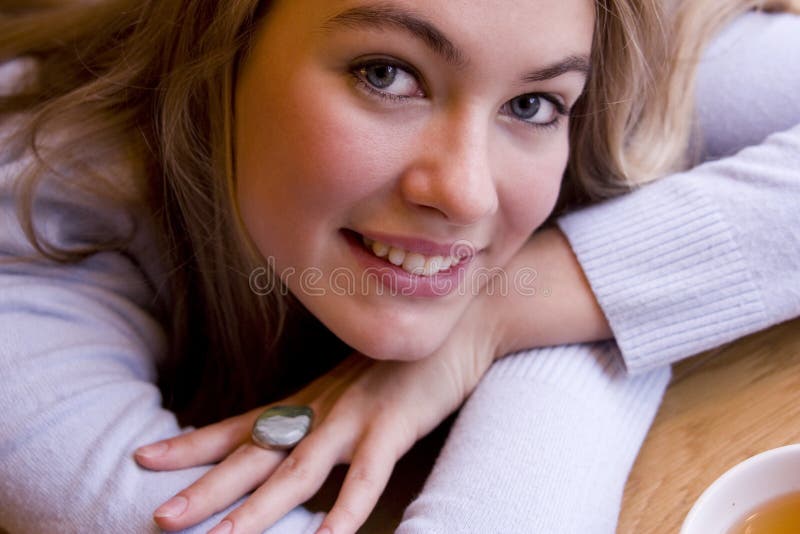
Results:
x,y
368,413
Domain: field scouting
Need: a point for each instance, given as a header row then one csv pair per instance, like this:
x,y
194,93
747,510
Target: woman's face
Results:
x,y
433,128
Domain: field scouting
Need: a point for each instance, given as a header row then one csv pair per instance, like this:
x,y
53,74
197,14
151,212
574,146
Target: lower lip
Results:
x,y
400,282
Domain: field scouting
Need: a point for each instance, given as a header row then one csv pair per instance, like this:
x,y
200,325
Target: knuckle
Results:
x,y
172,447
348,515
295,468
398,436
190,440
362,475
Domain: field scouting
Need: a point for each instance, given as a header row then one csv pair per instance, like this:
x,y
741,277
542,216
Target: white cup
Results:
x,y
742,488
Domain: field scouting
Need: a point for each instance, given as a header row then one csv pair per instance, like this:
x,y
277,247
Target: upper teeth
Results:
x,y
412,262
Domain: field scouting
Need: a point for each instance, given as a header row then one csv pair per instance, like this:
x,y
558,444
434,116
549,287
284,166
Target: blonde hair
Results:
x,y
150,83
634,122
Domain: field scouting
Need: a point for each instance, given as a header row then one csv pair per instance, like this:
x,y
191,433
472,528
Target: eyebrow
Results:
x,y
388,16
579,64
385,15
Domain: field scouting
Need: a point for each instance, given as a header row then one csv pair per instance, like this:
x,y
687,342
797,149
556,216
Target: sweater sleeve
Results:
x,y
704,257
544,444
77,350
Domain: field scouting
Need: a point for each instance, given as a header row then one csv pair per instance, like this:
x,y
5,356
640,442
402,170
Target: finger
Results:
x,y
366,479
203,446
296,479
245,469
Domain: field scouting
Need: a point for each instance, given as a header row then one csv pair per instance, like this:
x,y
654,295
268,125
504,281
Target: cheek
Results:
x,y
305,162
301,157
531,194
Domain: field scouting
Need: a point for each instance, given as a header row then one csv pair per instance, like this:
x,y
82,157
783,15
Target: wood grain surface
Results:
x,y
720,408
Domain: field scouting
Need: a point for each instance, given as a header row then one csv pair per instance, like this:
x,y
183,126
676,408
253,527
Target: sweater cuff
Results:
x,y
666,271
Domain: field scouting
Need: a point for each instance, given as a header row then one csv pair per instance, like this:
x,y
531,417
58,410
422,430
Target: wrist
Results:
x,y
486,314
548,300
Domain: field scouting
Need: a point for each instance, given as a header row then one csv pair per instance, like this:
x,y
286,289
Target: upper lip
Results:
x,y
426,247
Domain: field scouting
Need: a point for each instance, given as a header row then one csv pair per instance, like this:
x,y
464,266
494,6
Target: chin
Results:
x,y
388,332
394,347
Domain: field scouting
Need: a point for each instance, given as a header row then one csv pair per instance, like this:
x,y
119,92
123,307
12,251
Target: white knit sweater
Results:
x,y
680,266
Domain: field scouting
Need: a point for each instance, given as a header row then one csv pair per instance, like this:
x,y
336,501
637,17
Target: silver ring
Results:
x,y
282,427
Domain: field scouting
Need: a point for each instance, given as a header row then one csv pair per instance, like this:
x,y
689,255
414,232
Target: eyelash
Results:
x,y
355,71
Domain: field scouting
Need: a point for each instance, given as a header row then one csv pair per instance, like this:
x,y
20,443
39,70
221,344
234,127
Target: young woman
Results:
x,y
195,181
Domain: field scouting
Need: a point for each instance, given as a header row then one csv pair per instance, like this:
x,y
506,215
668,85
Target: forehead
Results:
x,y
481,29
478,29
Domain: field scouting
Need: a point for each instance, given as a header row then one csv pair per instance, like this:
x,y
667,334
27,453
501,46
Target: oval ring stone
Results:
x,y
282,427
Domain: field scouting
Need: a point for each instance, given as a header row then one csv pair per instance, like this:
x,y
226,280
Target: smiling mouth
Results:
x,y
410,261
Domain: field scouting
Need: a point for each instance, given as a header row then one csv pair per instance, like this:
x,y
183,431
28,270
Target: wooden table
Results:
x,y
721,408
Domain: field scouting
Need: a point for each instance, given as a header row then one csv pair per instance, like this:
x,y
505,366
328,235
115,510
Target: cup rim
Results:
x,y
733,472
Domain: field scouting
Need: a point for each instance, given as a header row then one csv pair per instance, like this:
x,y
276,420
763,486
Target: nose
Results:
x,y
451,171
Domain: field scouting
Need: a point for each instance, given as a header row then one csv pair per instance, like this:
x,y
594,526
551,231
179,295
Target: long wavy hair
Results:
x,y
149,84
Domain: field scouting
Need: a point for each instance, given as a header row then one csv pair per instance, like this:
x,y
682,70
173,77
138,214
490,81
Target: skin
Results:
x,y
315,153
449,163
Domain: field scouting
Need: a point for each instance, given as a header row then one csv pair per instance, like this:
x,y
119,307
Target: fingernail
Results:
x,y
152,451
324,530
173,507
223,528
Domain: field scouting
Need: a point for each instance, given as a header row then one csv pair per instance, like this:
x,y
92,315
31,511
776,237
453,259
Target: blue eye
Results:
x,y
381,76
526,107
535,109
388,80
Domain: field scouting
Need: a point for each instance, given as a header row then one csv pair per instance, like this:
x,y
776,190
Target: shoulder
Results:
x,y
68,217
747,82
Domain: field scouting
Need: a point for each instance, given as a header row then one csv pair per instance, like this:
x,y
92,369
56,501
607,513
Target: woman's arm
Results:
x,y
555,306
544,444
